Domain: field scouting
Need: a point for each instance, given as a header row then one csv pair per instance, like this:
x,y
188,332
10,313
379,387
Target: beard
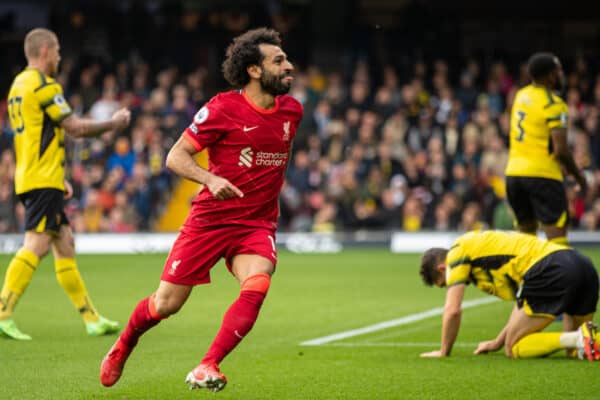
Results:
x,y
273,84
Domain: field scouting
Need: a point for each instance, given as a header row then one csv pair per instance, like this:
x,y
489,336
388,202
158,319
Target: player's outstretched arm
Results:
x,y
85,127
497,343
180,160
450,321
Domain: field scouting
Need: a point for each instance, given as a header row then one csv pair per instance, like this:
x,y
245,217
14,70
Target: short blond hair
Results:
x,y
36,39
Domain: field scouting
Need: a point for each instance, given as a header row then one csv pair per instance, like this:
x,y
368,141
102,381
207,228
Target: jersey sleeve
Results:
x,y
207,127
458,265
556,115
52,101
294,111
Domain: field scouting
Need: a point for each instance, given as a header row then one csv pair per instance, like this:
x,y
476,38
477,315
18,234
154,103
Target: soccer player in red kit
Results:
x,y
248,133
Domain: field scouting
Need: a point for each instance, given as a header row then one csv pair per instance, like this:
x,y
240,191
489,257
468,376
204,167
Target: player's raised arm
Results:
x,y
85,127
180,160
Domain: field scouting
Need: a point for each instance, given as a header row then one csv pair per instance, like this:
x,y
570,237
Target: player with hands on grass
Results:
x,y
544,279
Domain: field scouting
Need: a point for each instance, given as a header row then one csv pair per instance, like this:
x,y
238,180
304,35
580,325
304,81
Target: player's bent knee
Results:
x,y
166,306
39,249
257,283
166,309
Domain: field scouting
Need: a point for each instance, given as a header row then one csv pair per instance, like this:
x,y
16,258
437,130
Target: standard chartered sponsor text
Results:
x,y
267,159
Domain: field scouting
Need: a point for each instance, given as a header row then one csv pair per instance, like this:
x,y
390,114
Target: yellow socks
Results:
x,y
18,275
560,240
542,344
69,278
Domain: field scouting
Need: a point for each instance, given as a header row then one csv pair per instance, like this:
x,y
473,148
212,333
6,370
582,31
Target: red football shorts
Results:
x,y
196,251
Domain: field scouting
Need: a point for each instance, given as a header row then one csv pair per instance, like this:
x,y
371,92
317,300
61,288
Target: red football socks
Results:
x,y
239,318
143,318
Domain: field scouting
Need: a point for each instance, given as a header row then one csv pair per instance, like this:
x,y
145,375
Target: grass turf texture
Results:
x,y
311,296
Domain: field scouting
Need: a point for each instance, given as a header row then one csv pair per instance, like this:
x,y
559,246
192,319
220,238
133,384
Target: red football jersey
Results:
x,y
248,146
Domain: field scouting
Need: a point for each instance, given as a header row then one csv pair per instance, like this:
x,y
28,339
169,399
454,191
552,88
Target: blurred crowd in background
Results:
x,y
418,146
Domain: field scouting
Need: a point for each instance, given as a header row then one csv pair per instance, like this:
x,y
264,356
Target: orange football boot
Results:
x,y
206,376
589,346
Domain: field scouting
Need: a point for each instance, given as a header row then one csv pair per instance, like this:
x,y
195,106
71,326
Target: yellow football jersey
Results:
x,y
536,111
495,261
36,106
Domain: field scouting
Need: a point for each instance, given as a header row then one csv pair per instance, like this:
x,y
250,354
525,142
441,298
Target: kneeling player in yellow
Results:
x,y
545,279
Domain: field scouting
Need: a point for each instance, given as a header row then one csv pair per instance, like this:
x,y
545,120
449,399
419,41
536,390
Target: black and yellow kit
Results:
x,y
36,107
545,278
533,173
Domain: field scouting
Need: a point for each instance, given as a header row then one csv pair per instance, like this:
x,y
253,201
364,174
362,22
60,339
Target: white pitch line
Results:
x,y
398,344
394,322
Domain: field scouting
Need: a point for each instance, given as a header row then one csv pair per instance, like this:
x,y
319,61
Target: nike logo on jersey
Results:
x,y
249,128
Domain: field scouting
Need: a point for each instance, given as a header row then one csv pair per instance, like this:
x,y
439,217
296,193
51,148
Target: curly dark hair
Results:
x,y
541,64
244,51
429,262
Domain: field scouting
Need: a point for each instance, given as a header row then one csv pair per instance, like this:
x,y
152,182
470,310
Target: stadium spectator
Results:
x,y
123,157
325,218
92,212
467,93
298,174
471,218
8,222
87,89
141,195
37,102
248,133
106,105
117,221
108,188
403,103
544,278
412,214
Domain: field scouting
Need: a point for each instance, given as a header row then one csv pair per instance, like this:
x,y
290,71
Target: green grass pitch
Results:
x,y
311,296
